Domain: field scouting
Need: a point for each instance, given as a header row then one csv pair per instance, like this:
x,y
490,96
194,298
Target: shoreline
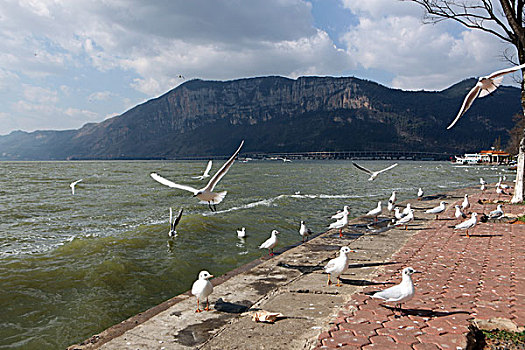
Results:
x,y
291,282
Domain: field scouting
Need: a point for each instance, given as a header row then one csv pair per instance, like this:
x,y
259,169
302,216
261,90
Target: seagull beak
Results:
x,y
417,272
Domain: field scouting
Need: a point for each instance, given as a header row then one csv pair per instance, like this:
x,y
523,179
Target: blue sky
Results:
x,y
66,63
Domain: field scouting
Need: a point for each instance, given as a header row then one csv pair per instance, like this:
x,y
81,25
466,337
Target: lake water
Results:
x,y
72,266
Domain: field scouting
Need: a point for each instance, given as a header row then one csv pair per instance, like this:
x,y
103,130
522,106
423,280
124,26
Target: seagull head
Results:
x,y
274,232
408,271
204,275
346,250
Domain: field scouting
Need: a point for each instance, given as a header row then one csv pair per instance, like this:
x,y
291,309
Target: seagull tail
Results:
x,y
219,197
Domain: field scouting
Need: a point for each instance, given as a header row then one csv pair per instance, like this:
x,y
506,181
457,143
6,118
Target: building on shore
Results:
x,y
485,157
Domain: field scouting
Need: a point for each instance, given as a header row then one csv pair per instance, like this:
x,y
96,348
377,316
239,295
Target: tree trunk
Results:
x,y
520,171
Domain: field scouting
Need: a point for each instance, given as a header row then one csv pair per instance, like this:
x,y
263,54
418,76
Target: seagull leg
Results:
x,y
405,227
467,234
329,280
207,308
341,233
270,252
338,284
214,208
209,206
198,307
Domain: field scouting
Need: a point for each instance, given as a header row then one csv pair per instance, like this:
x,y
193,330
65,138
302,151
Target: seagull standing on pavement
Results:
x,y
437,210
406,219
407,210
373,174
397,214
420,194
483,87
206,172
202,289
400,293
392,198
340,224
205,194
465,204
270,243
337,266
496,214
459,213
304,231
468,224
340,214
376,211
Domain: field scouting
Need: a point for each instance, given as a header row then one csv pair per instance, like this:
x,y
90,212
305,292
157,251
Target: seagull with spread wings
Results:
x,y
206,172
73,184
484,87
174,223
205,194
373,174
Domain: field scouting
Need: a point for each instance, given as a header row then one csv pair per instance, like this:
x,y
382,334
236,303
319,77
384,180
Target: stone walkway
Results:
x,y
463,278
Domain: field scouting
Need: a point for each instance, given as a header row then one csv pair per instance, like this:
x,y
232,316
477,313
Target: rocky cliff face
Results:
x,y
275,114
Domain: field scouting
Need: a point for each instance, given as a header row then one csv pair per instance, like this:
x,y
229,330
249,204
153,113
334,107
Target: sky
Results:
x,y
66,63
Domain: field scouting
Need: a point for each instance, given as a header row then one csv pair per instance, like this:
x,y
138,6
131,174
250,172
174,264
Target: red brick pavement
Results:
x,y
462,278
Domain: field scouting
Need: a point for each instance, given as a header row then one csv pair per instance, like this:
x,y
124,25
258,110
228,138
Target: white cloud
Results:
x,y
40,95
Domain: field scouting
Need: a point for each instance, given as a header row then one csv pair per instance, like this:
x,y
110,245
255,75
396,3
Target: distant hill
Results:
x,y
276,114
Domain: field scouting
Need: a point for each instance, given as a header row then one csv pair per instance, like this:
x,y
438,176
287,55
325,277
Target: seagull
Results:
x,y
420,194
500,190
470,223
241,233
340,224
202,288
373,174
376,211
270,243
496,214
72,185
173,224
407,209
304,232
482,188
483,87
205,194
206,172
465,204
459,214
482,182
390,206
406,219
437,210
337,266
401,292
397,214
340,214
392,198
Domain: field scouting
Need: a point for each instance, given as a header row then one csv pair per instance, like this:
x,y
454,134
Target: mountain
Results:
x,y
276,114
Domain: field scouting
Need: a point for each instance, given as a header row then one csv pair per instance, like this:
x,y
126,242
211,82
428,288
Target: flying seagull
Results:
x,y
72,185
373,174
483,87
206,172
174,223
205,194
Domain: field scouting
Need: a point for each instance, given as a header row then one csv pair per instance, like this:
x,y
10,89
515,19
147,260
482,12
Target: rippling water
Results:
x,y
72,266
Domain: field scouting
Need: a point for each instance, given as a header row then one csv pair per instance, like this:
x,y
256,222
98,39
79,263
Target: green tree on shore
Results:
x,y
501,18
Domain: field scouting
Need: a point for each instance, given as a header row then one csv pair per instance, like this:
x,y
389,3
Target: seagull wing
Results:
x,y
386,169
208,168
362,168
469,99
177,220
223,170
499,73
75,182
169,183
171,218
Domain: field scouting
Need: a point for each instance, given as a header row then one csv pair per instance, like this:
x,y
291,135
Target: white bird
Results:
x,y
340,224
304,231
465,204
482,182
407,210
392,198
397,214
337,266
482,188
468,224
373,174
401,292
73,184
206,172
390,206
500,190
241,233
420,194
437,210
174,223
202,288
376,211
496,214
483,87
270,243
205,194
406,219
340,214
459,213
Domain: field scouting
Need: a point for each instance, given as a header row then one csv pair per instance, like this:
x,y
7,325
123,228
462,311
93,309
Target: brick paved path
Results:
x,y
462,278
